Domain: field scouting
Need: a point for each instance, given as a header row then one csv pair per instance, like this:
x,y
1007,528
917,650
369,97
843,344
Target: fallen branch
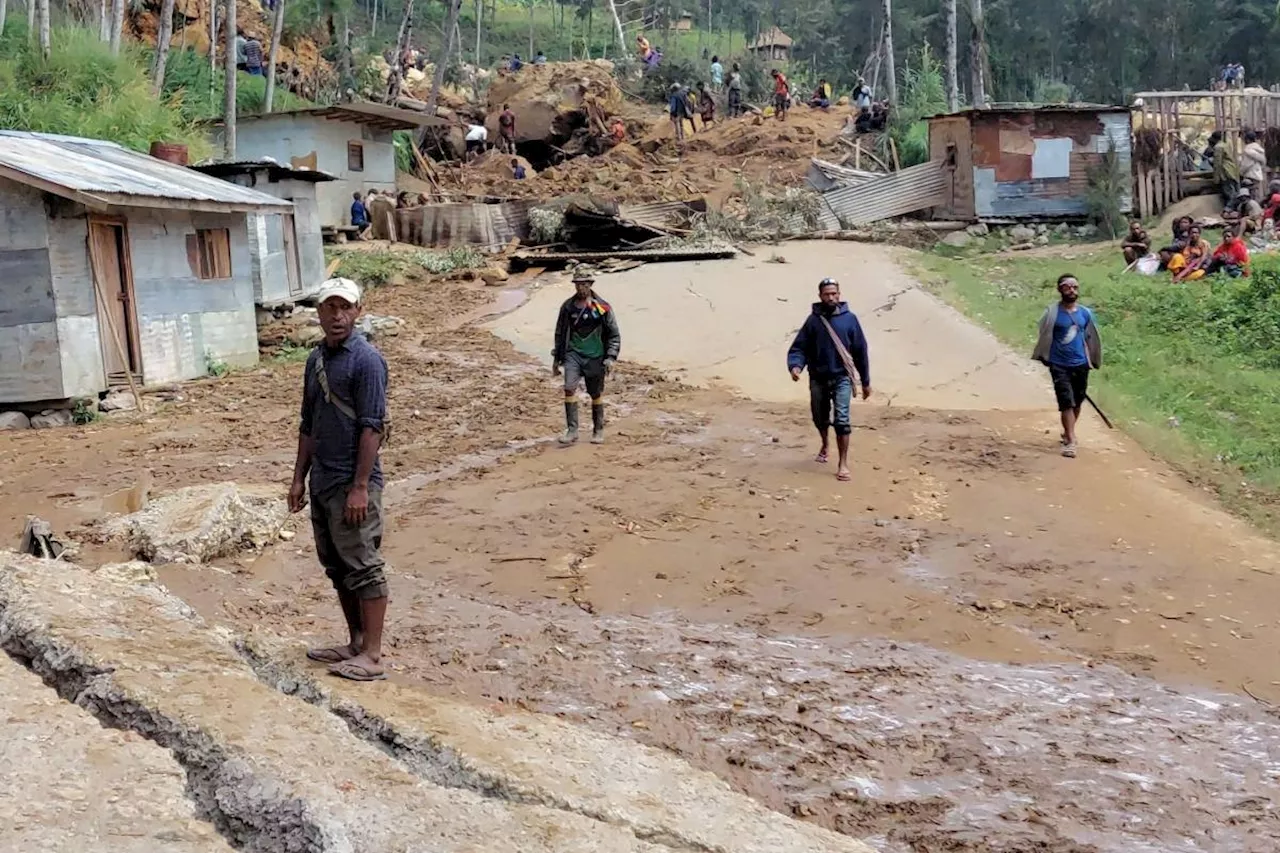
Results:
x,y
519,559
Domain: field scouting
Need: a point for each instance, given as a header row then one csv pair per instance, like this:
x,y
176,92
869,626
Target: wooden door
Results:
x,y
291,260
113,286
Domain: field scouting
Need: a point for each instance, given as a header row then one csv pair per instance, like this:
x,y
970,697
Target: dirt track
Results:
x,y
953,652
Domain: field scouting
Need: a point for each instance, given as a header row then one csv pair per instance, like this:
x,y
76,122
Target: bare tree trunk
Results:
x,y
104,21
530,2
437,79
117,24
4,9
978,55
229,69
162,45
44,28
396,78
953,84
617,22
31,19
479,29
277,30
890,70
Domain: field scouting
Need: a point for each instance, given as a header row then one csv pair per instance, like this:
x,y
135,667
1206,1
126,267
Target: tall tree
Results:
x,y
978,55
396,78
44,29
273,55
529,55
162,45
117,24
104,21
437,79
4,8
31,19
479,29
890,69
229,72
953,85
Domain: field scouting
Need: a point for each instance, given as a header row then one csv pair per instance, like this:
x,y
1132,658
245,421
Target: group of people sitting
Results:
x,y
1189,257
364,209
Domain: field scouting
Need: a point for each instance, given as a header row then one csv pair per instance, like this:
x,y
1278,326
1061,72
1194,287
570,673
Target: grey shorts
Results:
x,y
579,368
350,553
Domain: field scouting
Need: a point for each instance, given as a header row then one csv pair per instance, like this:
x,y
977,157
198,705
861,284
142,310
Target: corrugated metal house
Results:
x,y
352,142
1012,161
285,249
113,261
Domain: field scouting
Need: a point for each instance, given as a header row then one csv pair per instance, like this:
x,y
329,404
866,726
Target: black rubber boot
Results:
x,y
570,423
597,423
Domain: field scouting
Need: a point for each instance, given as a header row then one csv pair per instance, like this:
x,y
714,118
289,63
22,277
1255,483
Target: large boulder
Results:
x,y
51,418
201,523
14,420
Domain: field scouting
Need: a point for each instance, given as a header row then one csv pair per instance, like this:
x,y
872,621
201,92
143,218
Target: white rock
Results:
x,y
52,418
14,420
979,229
118,401
958,239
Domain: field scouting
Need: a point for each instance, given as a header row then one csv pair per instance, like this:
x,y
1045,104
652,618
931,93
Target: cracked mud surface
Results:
x,y
1073,650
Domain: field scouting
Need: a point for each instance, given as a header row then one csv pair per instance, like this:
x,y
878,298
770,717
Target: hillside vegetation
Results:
x,y
82,90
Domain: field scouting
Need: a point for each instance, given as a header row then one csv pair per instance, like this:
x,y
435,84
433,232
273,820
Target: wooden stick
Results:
x,y
111,324
893,149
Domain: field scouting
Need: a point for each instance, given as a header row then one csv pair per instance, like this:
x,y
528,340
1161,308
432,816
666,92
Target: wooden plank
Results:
x,y
1144,207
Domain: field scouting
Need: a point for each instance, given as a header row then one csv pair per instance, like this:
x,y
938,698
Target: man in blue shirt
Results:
x,y
344,420
831,345
1068,343
359,215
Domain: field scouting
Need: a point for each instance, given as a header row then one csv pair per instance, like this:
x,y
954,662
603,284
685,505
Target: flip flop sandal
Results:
x,y
330,654
821,458
844,476
355,672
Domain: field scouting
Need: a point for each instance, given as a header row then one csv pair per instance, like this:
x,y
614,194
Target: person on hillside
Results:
x,y
1069,345
781,94
706,106
507,130
515,64
1181,230
1244,215
678,110
1195,254
1253,166
517,171
1226,173
342,427
476,138
586,347
833,348
1231,256
643,48
618,131
253,56
540,59
1136,244
717,74
862,97
735,91
240,42
821,97
359,216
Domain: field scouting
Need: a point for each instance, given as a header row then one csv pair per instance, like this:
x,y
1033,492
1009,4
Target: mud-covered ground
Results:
x,y
971,647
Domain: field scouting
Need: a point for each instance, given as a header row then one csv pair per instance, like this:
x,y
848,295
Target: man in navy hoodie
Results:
x,y
832,346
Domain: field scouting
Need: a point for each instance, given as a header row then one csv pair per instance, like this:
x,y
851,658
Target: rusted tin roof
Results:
x,y
102,175
914,188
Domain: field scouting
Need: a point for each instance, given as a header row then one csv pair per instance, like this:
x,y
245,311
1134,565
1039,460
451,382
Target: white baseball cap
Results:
x,y
343,287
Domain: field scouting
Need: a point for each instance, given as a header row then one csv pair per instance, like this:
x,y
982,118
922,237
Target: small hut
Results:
x,y
1021,161
772,45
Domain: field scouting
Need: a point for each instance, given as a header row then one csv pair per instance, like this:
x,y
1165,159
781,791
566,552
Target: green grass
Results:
x,y
377,268
82,90
1192,371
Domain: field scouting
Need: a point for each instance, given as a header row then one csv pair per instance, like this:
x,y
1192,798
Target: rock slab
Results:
x,y
276,775
535,758
201,523
68,785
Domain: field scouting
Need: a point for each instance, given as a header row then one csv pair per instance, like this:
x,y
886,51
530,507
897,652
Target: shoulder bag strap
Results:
x,y
323,379
840,348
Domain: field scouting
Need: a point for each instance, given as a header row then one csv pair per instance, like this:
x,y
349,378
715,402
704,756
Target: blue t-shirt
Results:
x,y
1067,349
359,215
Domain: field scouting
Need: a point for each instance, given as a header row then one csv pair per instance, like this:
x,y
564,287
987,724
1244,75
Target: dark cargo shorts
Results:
x,y
580,368
350,553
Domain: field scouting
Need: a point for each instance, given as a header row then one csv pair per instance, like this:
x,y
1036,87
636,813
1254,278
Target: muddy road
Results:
x,y
976,645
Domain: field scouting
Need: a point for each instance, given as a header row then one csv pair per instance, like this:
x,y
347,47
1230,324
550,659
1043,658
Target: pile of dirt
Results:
x,y
305,70
711,163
